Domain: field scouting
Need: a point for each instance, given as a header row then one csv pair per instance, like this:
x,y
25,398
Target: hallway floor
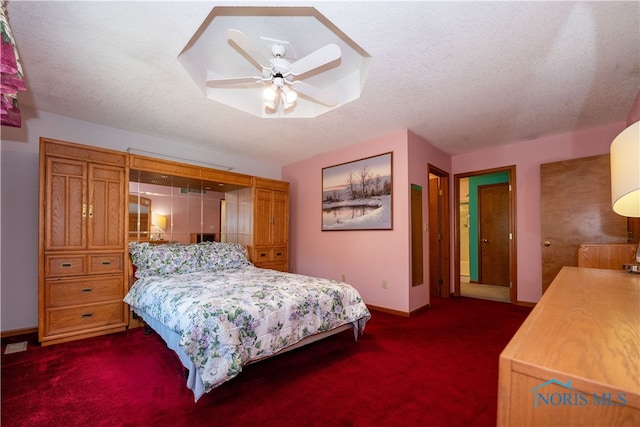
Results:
x,y
488,292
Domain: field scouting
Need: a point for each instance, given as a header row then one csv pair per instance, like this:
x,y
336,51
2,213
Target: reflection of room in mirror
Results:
x,y
139,211
179,214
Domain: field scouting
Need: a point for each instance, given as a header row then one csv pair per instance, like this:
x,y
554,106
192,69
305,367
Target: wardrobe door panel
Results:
x,y
106,217
67,211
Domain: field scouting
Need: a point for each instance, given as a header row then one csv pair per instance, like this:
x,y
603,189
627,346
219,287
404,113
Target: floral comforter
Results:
x,y
231,317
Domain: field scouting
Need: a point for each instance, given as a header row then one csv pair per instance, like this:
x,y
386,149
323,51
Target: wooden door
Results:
x,y
66,205
576,208
417,271
439,266
435,285
106,207
493,229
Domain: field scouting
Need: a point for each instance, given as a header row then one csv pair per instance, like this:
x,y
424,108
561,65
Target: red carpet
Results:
x,y
438,368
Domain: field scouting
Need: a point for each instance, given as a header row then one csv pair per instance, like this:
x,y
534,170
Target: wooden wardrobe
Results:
x,y
84,230
82,241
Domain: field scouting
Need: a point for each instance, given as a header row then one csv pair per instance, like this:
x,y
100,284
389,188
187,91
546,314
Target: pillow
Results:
x,y
161,260
221,256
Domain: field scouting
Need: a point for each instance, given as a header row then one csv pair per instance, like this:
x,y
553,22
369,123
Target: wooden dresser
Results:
x,y
269,248
576,358
82,241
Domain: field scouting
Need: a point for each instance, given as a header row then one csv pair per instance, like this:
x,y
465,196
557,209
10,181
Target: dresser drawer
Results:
x,y
273,265
269,254
278,254
106,263
76,265
63,320
261,255
83,290
65,265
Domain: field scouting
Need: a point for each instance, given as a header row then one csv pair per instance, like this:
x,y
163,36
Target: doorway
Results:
x,y
439,248
485,239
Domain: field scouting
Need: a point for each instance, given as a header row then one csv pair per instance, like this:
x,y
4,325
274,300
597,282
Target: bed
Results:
x,y
219,313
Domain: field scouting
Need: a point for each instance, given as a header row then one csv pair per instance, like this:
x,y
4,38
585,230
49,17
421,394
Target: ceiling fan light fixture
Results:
x,y
332,63
269,93
270,105
290,95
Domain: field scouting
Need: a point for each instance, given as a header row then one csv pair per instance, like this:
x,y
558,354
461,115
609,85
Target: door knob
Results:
x,y
485,240
547,243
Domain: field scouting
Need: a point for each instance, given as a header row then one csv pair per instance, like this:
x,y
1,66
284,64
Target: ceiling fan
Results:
x,y
279,75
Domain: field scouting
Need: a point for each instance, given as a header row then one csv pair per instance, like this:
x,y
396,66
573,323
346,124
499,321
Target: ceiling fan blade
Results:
x,y
233,81
320,57
327,98
252,51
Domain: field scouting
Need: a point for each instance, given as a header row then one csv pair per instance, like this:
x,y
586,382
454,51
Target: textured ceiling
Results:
x,y
462,75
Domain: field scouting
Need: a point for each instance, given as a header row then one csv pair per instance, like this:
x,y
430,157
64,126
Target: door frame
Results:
x,y
444,225
513,258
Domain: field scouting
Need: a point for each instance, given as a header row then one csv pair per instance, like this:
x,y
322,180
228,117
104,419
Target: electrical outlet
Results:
x,y
384,284
344,278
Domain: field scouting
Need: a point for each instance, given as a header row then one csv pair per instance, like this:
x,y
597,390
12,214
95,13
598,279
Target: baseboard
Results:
x,y
14,332
398,312
420,310
525,304
388,311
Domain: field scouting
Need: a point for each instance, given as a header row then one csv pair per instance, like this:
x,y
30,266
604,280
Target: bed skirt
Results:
x,y
194,382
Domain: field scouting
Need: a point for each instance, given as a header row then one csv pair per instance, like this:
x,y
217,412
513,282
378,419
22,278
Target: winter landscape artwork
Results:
x,y
357,195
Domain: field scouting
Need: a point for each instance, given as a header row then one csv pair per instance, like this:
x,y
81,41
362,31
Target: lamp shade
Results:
x,y
625,171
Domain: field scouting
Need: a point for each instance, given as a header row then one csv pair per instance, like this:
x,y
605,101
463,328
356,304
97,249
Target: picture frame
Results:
x,y
358,195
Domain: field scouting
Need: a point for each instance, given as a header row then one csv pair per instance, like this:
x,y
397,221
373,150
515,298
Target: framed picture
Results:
x,y
358,195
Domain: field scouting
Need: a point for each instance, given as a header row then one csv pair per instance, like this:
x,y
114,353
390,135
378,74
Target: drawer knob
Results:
x,y
87,315
279,253
263,255
106,262
87,290
67,264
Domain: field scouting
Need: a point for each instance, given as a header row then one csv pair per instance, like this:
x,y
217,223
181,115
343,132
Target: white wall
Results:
x,y
19,197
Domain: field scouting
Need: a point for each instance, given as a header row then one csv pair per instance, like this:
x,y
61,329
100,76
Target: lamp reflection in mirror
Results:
x,y
625,178
159,225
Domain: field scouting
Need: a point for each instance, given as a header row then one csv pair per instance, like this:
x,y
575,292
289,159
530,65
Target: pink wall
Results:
x,y
527,157
368,257
365,257
421,154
